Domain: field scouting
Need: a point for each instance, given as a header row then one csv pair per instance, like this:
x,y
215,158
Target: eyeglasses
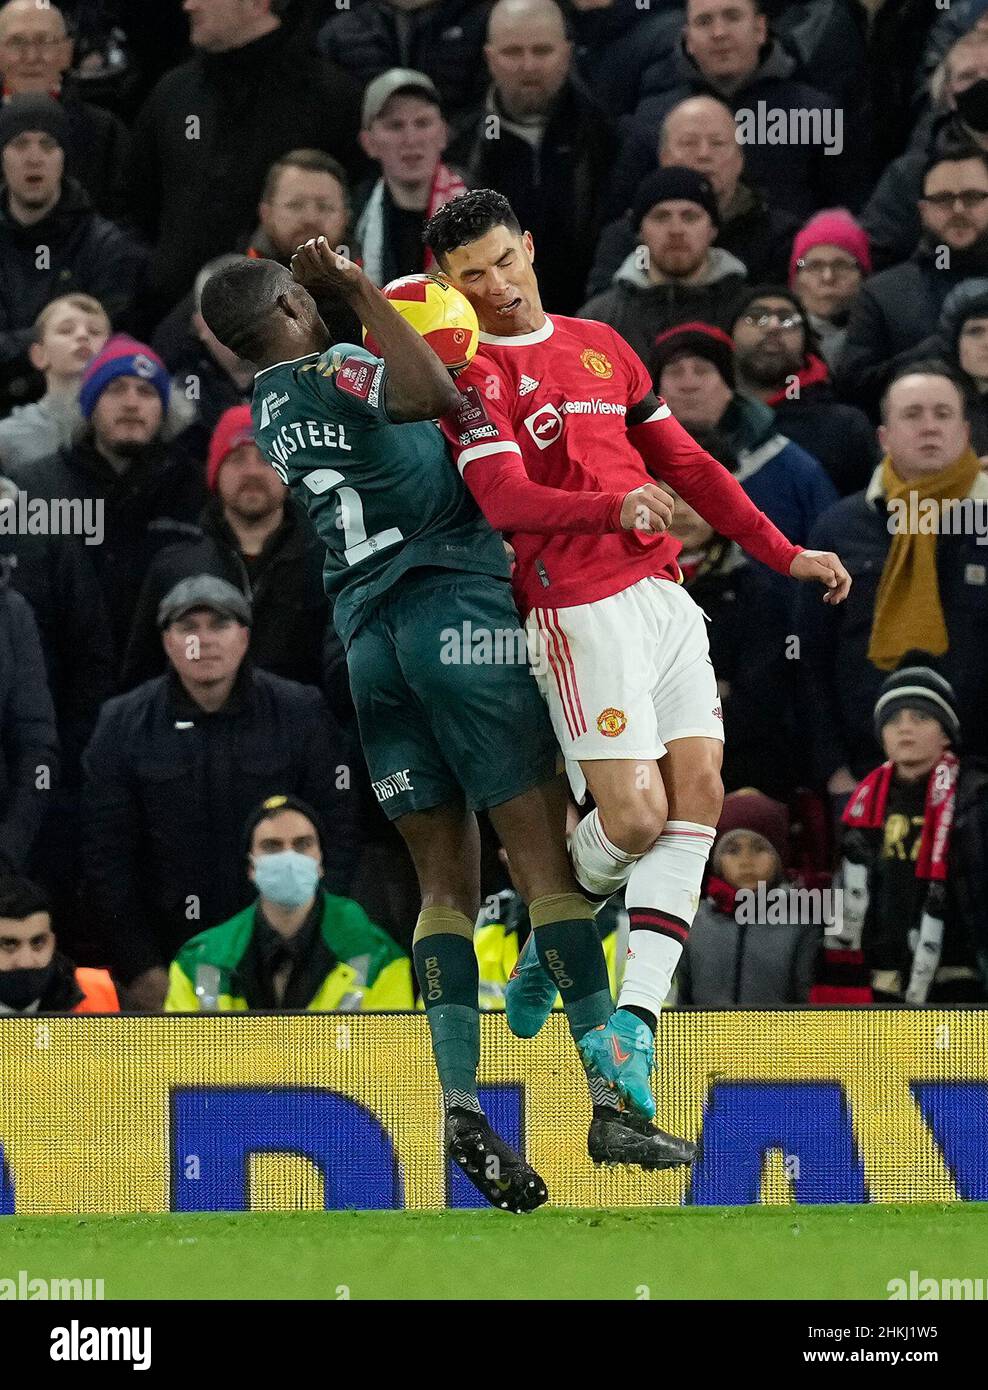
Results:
x,y
322,206
968,198
20,43
771,318
837,269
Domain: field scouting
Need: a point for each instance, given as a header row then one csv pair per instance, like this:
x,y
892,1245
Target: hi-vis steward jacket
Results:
x,y
496,936
366,970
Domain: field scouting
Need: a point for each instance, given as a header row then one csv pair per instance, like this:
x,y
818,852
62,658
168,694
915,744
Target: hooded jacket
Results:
x,y
640,310
840,683
799,176
757,235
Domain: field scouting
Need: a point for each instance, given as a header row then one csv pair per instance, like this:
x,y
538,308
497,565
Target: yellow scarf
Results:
x,y
908,611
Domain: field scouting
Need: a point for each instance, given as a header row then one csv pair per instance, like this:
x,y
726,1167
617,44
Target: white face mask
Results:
x,y
287,878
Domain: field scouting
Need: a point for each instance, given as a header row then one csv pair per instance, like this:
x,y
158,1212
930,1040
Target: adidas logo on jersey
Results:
x,y
527,385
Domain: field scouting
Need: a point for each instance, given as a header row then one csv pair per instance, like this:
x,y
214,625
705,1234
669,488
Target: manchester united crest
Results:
x,y
611,722
595,361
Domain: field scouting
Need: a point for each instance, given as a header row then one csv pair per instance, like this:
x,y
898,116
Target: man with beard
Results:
x,y
136,489
897,309
676,274
776,360
254,536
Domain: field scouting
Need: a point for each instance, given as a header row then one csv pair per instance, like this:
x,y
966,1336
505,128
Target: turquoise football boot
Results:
x,y
620,1053
529,994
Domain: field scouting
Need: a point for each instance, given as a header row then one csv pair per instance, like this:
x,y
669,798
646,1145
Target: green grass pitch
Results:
x,y
711,1252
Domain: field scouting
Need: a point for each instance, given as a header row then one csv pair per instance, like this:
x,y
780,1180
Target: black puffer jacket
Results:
x,y
28,743
289,605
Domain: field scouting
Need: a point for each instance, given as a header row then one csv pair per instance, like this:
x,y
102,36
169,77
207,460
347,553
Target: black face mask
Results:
x,y
19,988
972,105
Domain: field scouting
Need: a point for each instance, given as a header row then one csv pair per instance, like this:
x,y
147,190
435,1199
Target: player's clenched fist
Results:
x,y
648,508
824,567
317,267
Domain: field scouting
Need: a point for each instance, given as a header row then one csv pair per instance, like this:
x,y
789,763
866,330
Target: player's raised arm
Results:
x,y
673,455
418,385
485,450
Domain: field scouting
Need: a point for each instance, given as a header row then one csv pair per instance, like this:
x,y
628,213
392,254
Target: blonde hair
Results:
x,y
84,302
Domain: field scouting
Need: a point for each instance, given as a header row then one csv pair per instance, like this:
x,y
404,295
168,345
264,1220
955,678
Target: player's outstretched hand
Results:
x,y
824,567
317,268
648,508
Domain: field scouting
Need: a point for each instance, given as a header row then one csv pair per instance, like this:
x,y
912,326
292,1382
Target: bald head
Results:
x,y
700,133
528,55
34,47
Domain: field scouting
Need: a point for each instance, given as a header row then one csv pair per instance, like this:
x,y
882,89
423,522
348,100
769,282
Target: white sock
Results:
x,y
662,897
600,867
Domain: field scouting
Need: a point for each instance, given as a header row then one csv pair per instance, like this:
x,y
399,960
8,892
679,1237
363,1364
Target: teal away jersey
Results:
x,y
384,498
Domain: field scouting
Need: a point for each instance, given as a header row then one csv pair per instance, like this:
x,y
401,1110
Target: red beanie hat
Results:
x,y
749,809
233,428
832,227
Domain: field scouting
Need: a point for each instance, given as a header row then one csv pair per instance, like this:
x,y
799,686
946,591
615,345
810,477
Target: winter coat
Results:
x,y
640,310
891,215
445,40
615,45
757,235
761,964
97,148
194,198
168,790
840,436
841,684
28,742
55,574
155,501
557,190
893,312
36,431
783,480
801,177
289,606
88,254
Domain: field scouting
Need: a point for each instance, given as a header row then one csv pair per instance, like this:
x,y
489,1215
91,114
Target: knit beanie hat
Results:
x,y
695,340
32,111
672,182
832,227
917,686
968,300
122,356
233,428
749,809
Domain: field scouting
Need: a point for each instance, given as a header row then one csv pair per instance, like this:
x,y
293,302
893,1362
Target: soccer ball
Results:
x,y
440,313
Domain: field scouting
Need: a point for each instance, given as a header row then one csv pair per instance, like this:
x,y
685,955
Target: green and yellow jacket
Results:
x,y
351,965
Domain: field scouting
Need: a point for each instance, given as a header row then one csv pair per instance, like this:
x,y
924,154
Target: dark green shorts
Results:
x,y
448,709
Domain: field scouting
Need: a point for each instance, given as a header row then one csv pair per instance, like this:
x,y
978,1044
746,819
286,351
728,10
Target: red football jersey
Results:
x,y
558,397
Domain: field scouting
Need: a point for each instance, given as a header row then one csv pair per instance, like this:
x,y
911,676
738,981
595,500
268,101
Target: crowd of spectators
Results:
x,y
781,204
